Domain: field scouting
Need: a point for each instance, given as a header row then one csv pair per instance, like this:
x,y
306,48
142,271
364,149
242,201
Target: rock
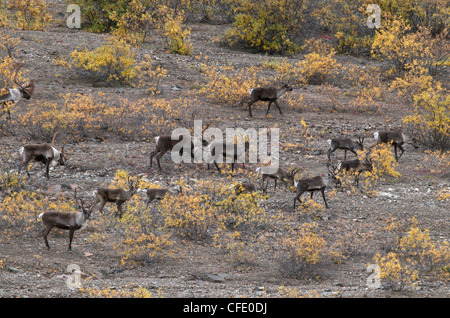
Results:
x,y
56,188
214,278
14,270
66,187
175,87
387,194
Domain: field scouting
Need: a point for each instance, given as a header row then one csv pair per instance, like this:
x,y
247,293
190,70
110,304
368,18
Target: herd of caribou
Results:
x,y
48,154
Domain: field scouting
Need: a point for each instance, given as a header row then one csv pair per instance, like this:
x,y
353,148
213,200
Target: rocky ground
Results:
x,y
198,269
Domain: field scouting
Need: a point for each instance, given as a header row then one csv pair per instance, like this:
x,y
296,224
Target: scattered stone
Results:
x,y
14,270
56,188
175,87
214,278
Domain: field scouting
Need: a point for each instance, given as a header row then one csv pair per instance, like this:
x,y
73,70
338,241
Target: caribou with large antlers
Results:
x,y
45,153
14,95
355,166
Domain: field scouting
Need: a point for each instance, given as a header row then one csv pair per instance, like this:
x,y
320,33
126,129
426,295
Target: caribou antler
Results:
x,y
54,138
207,125
76,199
294,171
65,142
17,67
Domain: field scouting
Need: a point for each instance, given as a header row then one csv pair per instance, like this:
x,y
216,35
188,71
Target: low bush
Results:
x,y
190,215
430,119
305,251
226,85
413,256
19,212
113,61
91,114
28,14
267,26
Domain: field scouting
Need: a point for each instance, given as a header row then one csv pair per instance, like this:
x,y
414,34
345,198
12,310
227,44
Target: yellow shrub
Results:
x,y
134,24
113,61
444,195
230,86
290,73
310,208
392,269
177,37
243,212
3,16
8,44
384,163
414,82
79,113
305,250
430,119
353,43
149,74
305,140
317,67
334,96
236,246
346,20
30,14
123,292
189,214
19,211
418,13
11,181
414,255
367,86
396,43
307,247
141,240
92,114
438,162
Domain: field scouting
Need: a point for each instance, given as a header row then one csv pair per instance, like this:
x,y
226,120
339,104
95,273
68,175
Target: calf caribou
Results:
x,y
159,194
267,94
346,144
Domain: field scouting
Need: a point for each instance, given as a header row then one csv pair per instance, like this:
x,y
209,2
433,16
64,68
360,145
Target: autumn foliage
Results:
x,y
322,47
